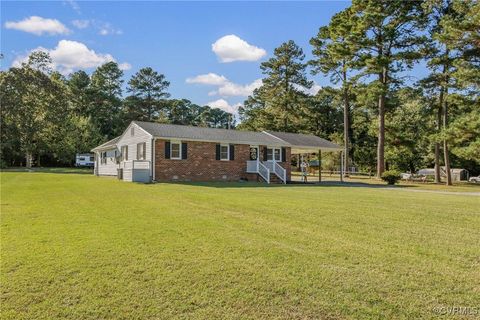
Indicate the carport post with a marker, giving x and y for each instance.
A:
(341, 166)
(319, 165)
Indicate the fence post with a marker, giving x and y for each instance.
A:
(319, 165)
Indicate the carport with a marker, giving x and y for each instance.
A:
(303, 145)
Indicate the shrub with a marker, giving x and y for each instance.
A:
(391, 176)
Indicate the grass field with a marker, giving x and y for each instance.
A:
(74, 246)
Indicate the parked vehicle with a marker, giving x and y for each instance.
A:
(474, 179)
(84, 160)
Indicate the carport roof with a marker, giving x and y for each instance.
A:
(303, 143)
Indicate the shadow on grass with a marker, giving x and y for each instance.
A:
(50, 170)
(249, 184)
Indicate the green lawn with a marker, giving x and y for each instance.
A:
(74, 246)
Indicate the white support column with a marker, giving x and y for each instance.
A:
(341, 166)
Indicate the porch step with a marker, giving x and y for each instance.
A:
(273, 178)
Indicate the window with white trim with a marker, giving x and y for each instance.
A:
(269, 154)
(141, 148)
(124, 153)
(274, 154)
(224, 152)
(277, 155)
(175, 150)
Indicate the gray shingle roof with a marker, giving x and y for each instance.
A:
(109, 143)
(161, 130)
(268, 138)
(305, 140)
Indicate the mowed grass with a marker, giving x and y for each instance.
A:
(75, 246)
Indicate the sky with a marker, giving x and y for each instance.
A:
(209, 51)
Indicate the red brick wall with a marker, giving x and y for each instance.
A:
(201, 164)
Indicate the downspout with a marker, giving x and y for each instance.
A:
(153, 160)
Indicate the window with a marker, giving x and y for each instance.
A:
(274, 154)
(141, 151)
(103, 158)
(81, 159)
(92, 159)
(175, 150)
(132, 131)
(124, 153)
(224, 155)
(269, 154)
(277, 154)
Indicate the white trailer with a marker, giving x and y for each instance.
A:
(84, 160)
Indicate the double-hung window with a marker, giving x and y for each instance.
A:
(175, 150)
(277, 155)
(269, 154)
(141, 148)
(274, 154)
(124, 153)
(224, 152)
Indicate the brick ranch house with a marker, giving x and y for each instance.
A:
(149, 151)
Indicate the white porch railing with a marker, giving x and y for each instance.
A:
(279, 171)
(255, 166)
(252, 166)
(264, 172)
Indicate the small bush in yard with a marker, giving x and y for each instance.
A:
(391, 176)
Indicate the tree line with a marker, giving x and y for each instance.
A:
(384, 115)
(46, 118)
(389, 117)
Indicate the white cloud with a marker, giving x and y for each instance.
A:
(38, 26)
(208, 79)
(81, 24)
(224, 105)
(74, 5)
(103, 28)
(106, 29)
(231, 48)
(233, 89)
(226, 88)
(125, 66)
(70, 55)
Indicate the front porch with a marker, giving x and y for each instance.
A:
(265, 169)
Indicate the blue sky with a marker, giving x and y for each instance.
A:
(174, 38)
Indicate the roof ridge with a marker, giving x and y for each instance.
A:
(191, 126)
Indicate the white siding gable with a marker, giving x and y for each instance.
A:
(139, 136)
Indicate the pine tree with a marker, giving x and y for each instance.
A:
(335, 55)
(388, 44)
(106, 102)
(149, 89)
(280, 98)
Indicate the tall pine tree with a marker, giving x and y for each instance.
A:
(388, 45)
(335, 55)
(149, 89)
